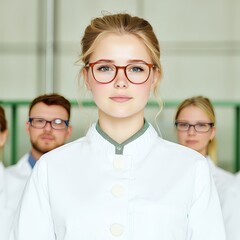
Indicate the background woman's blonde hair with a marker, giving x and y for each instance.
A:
(122, 23)
(206, 106)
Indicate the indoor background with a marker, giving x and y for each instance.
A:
(200, 55)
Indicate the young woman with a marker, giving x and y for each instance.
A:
(120, 181)
(195, 123)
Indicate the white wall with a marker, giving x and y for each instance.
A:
(200, 44)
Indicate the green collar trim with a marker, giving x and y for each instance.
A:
(119, 147)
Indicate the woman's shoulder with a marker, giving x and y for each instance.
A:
(180, 150)
(173, 148)
(225, 180)
(66, 148)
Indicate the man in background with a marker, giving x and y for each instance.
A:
(48, 128)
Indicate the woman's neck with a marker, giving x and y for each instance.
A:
(121, 129)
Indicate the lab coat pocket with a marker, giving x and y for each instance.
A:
(160, 221)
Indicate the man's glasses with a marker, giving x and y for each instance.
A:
(105, 72)
(199, 127)
(57, 123)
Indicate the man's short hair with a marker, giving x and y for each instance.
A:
(52, 99)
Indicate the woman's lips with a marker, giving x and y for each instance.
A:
(120, 98)
(191, 141)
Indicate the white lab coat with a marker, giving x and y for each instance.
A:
(237, 174)
(16, 177)
(229, 195)
(4, 213)
(1, 176)
(154, 190)
(3, 216)
(2, 183)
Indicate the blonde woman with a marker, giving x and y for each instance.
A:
(195, 122)
(120, 181)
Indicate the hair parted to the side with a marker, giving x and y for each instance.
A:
(3, 120)
(206, 106)
(122, 23)
(52, 99)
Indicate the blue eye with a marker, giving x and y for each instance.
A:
(137, 69)
(104, 68)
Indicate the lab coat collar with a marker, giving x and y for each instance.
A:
(139, 147)
(211, 163)
(119, 147)
(22, 168)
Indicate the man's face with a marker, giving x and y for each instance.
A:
(46, 139)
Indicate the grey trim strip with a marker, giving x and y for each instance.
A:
(119, 147)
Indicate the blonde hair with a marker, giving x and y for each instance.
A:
(206, 106)
(122, 23)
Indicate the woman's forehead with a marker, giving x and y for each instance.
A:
(194, 113)
(120, 48)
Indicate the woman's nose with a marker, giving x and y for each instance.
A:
(191, 130)
(121, 79)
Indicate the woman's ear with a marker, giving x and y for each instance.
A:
(85, 77)
(155, 79)
(213, 134)
(3, 138)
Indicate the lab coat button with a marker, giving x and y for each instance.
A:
(116, 229)
(117, 190)
(119, 163)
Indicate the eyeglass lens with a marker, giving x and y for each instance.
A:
(41, 123)
(106, 72)
(199, 127)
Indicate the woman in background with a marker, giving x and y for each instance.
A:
(3, 138)
(4, 214)
(121, 180)
(195, 122)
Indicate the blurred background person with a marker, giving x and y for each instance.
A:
(195, 122)
(3, 138)
(48, 128)
(3, 134)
